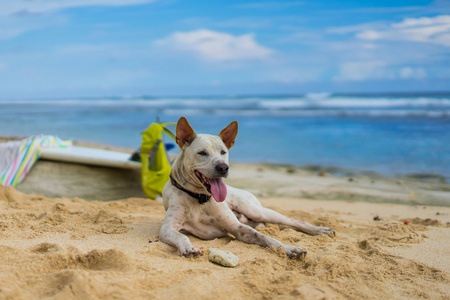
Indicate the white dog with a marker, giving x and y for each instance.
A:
(197, 201)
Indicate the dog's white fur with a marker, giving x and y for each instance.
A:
(237, 215)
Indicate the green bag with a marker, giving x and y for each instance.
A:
(155, 167)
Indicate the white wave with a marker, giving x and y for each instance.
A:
(351, 103)
(320, 102)
(283, 104)
(219, 103)
(180, 112)
(311, 113)
(345, 102)
(316, 96)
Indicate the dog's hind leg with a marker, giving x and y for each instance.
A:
(246, 204)
(244, 220)
(249, 235)
(266, 215)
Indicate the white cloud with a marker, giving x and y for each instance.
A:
(12, 26)
(354, 28)
(216, 46)
(424, 21)
(384, 51)
(377, 70)
(363, 70)
(434, 30)
(412, 73)
(369, 35)
(7, 33)
(20, 16)
(9, 7)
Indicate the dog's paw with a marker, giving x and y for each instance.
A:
(294, 252)
(323, 230)
(313, 230)
(191, 251)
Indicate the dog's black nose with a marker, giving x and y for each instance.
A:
(222, 168)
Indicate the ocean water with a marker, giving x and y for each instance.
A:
(392, 134)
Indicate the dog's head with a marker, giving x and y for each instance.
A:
(206, 156)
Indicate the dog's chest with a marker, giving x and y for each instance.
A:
(204, 223)
(204, 216)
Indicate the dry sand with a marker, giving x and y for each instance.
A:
(55, 245)
(70, 248)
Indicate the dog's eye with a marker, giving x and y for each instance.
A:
(202, 153)
(223, 152)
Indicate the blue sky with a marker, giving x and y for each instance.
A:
(95, 48)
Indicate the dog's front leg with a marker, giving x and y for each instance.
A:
(249, 235)
(170, 233)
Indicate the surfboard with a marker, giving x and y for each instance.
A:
(90, 156)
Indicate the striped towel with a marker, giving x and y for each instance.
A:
(17, 158)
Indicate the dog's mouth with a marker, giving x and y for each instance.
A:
(215, 186)
(204, 180)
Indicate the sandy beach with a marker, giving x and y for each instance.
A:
(335, 113)
(68, 248)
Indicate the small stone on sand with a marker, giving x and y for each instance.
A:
(224, 258)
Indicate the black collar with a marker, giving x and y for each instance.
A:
(202, 198)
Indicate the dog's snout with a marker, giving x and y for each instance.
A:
(222, 168)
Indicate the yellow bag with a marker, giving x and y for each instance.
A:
(155, 168)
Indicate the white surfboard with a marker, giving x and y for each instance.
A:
(90, 156)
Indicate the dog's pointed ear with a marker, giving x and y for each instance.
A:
(229, 133)
(184, 133)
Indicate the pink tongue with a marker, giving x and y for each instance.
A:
(218, 189)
